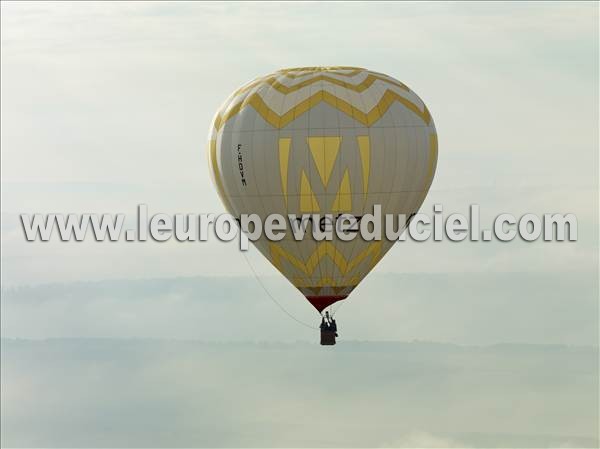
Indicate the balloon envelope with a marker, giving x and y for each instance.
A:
(323, 140)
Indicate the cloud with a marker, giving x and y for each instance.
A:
(418, 439)
(152, 393)
(466, 308)
(108, 106)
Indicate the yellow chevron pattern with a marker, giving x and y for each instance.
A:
(279, 121)
(325, 249)
(284, 89)
(239, 100)
(351, 281)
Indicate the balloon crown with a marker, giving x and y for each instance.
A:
(319, 69)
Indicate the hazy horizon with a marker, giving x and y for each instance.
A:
(157, 393)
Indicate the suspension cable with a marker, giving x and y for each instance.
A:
(257, 277)
(339, 306)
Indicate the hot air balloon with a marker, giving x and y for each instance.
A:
(319, 140)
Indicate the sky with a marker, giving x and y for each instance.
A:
(107, 105)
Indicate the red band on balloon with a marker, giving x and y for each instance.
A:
(321, 302)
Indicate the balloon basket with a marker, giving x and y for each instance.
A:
(327, 338)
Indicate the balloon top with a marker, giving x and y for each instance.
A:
(319, 69)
